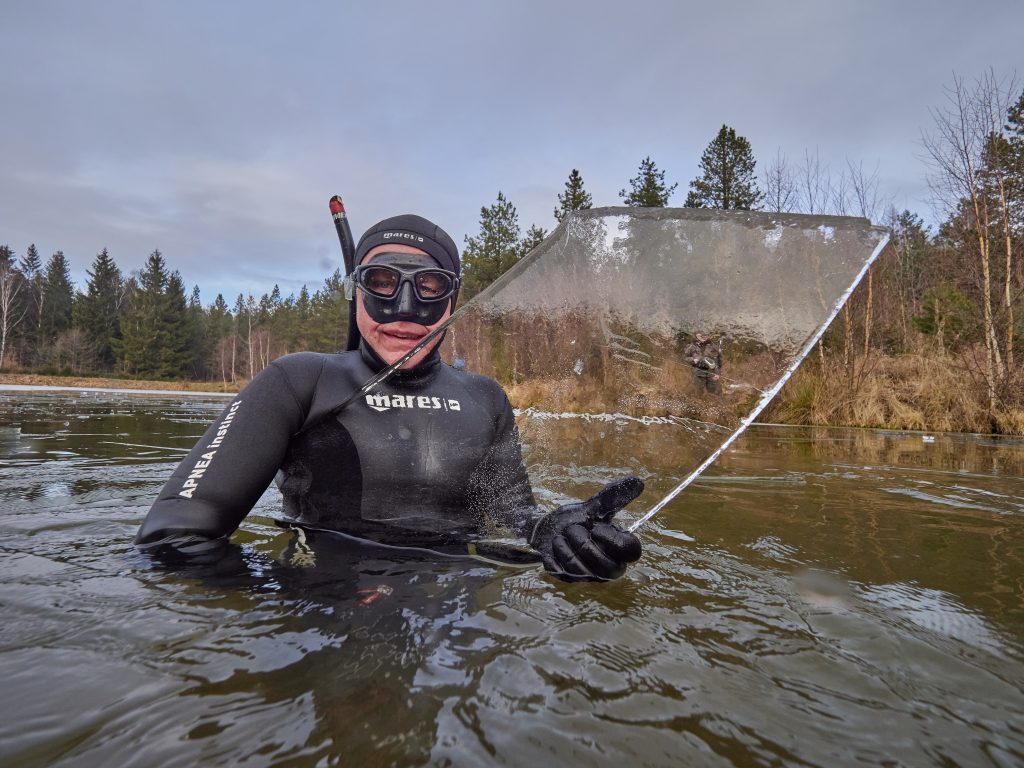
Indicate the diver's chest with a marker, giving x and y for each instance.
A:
(418, 433)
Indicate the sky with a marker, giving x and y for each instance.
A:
(217, 132)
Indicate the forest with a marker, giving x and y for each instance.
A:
(931, 340)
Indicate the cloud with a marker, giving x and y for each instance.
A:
(218, 136)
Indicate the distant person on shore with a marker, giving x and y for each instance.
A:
(706, 359)
(430, 458)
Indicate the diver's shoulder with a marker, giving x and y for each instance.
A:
(312, 360)
(305, 370)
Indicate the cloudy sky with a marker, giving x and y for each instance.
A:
(217, 132)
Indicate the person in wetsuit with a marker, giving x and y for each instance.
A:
(429, 458)
(706, 359)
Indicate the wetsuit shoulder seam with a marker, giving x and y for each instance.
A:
(303, 407)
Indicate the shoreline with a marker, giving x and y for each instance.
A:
(138, 385)
(806, 401)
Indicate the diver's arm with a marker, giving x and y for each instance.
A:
(230, 467)
(500, 493)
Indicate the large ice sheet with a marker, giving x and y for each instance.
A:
(597, 318)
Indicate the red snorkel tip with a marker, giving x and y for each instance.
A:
(337, 206)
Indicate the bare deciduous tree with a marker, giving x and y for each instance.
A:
(865, 196)
(965, 178)
(814, 184)
(73, 351)
(780, 188)
(11, 312)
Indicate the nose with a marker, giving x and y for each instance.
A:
(406, 305)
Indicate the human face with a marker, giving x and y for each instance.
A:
(391, 340)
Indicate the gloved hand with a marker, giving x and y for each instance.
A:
(578, 542)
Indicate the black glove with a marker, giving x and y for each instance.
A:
(578, 542)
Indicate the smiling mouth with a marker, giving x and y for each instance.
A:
(405, 335)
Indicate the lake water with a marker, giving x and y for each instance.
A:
(821, 597)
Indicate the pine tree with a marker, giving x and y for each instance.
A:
(302, 310)
(575, 197)
(269, 304)
(534, 236)
(728, 180)
(58, 299)
(1015, 162)
(493, 250)
(328, 321)
(647, 188)
(97, 310)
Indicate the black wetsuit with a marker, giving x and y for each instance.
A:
(707, 367)
(430, 456)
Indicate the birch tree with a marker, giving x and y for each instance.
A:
(12, 311)
(967, 179)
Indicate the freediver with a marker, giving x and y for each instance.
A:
(706, 359)
(430, 458)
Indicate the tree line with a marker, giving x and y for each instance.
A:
(954, 291)
(146, 325)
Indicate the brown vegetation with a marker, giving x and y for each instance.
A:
(916, 391)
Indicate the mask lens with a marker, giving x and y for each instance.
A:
(380, 281)
(433, 285)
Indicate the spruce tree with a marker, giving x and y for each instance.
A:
(57, 300)
(496, 248)
(31, 266)
(175, 353)
(143, 334)
(647, 188)
(97, 310)
(728, 180)
(30, 299)
(218, 319)
(200, 342)
(223, 343)
(575, 198)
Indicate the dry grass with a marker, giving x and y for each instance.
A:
(916, 391)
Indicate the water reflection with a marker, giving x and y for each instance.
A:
(824, 597)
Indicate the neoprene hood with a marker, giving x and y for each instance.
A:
(406, 229)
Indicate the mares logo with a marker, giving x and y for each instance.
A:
(403, 236)
(200, 467)
(387, 402)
